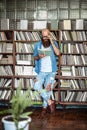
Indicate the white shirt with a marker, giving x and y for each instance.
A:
(46, 65)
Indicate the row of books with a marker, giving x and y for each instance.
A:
(23, 35)
(24, 59)
(73, 71)
(70, 24)
(54, 24)
(24, 70)
(66, 96)
(73, 35)
(76, 48)
(7, 24)
(6, 59)
(5, 95)
(74, 59)
(36, 35)
(23, 24)
(74, 96)
(30, 35)
(6, 47)
(6, 70)
(5, 83)
(73, 84)
(24, 83)
(24, 47)
(20, 69)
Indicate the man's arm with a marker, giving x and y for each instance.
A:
(56, 50)
(36, 57)
(39, 56)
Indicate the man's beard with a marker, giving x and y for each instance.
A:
(46, 42)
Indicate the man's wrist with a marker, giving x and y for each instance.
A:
(38, 57)
(52, 43)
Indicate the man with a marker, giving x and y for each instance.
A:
(46, 67)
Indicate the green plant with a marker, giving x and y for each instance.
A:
(19, 102)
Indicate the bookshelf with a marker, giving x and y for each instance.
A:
(6, 64)
(17, 61)
(17, 64)
(73, 76)
(24, 63)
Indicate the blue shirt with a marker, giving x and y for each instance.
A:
(38, 62)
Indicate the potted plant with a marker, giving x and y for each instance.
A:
(18, 119)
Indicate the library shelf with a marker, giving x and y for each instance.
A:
(71, 78)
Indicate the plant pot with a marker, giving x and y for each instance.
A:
(10, 125)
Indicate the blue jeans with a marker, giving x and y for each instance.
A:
(45, 78)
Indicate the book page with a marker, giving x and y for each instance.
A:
(45, 51)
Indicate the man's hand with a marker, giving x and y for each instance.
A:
(42, 55)
(50, 38)
(56, 50)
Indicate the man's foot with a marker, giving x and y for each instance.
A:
(52, 106)
(44, 112)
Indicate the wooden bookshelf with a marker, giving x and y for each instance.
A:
(24, 45)
(71, 78)
(6, 64)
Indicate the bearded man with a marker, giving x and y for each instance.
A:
(46, 68)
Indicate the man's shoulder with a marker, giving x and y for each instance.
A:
(38, 43)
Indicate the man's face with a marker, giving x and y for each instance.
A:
(45, 41)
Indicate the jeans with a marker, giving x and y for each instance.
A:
(44, 79)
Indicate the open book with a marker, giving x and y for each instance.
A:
(44, 51)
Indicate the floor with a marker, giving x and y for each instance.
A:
(63, 119)
(70, 119)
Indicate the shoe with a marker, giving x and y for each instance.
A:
(44, 112)
(52, 107)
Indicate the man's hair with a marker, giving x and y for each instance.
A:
(46, 30)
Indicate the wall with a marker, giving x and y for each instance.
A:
(48, 10)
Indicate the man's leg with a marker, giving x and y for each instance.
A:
(49, 82)
(38, 86)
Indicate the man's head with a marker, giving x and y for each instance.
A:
(45, 37)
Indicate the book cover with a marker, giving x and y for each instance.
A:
(79, 24)
(44, 51)
(40, 24)
(67, 24)
(24, 24)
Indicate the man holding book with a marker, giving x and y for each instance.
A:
(45, 52)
